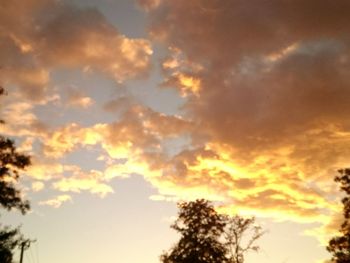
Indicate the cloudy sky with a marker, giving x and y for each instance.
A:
(128, 106)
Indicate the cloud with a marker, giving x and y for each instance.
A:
(120, 104)
(266, 89)
(57, 201)
(67, 138)
(256, 189)
(37, 186)
(148, 5)
(252, 27)
(92, 181)
(139, 129)
(128, 146)
(264, 125)
(77, 98)
(45, 169)
(42, 35)
(20, 119)
(90, 41)
(270, 183)
(67, 178)
(329, 229)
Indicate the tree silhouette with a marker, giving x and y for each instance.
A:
(9, 240)
(200, 227)
(11, 162)
(339, 246)
(240, 236)
(210, 237)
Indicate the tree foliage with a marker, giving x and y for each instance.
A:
(240, 236)
(9, 240)
(209, 237)
(11, 162)
(339, 246)
(200, 228)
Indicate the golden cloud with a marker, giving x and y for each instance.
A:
(120, 141)
(269, 119)
(45, 170)
(91, 181)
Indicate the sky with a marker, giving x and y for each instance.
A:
(127, 107)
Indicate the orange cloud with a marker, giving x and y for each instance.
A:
(20, 119)
(68, 138)
(120, 141)
(45, 169)
(76, 98)
(269, 119)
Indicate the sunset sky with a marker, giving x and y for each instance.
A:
(127, 107)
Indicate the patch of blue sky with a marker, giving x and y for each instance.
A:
(320, 46)
(87, 158)
(98, 87)
(176, 145)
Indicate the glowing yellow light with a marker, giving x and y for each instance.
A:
(282, 53)
(189, 84)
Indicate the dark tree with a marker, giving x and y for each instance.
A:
(11, 162)
(240, 236)
(9, 240)
(210, 237)
(200, 227)
(339, 246)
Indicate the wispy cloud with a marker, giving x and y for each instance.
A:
(57, 201)
(92, 181)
